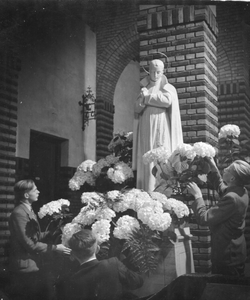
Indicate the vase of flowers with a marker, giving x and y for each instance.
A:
(144, 230)
(133, 219)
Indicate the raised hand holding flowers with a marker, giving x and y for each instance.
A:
(186, 163)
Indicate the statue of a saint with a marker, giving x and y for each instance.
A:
(157, 122)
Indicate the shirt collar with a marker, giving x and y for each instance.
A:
(88, 260)
(28, 205)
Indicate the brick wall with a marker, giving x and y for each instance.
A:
(233, 68)
(117, 45)
(9, 68)
(187, 34)
(233, 74)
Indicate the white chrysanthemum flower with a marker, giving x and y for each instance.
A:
(52, 207)
(229, 130)
(105, 213)
(120, 173)
(160, 222)
(86, 216)
(92, 198)
(204, 149)
(101, 229)
(161, 198)
(186, 150)
(78, 180)
(153, 219)
(178, 207)
(138, 198)
(159, 154)
(122, 205)
(125, 226)
(114, 195)
(104, 162)
(74, 185)
(67, 232)
(86, 165)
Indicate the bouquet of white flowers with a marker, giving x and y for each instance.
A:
(128, 221)
(114, 169)
(230, 147)
(57, 214)
(187, 163)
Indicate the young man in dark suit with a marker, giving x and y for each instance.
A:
(226, 219)
(27, 247)
(107, 279)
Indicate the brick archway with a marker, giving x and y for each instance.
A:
(123, 48)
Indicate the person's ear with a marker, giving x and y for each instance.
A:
(26, 195)
(232, 178)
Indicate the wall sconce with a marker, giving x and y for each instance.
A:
(88, 104)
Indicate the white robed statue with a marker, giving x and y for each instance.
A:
(157, 122)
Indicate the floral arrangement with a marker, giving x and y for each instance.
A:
(53, 208)
(109, 171)
(57, 214)
(129, 223)
(186, 163)
(230, 147)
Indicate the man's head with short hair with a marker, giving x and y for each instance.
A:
(22, 187)
(238, 173)
(241, 169)
(83, 244)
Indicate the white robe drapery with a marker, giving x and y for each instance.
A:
(158, 124)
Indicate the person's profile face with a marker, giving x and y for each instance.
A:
(228, 175)
(33, 194)
(155, 73)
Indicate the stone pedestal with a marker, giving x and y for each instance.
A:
(179, 261)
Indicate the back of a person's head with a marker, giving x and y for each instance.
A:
(242, 171)
(22, 187)
(83, 243)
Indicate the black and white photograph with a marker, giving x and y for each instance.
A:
(124, 150)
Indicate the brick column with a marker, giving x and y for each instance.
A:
(10, 66)
(234, 74)
(187, 34)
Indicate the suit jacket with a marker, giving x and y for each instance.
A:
(26, 240)
(226, 220)
(99, 280)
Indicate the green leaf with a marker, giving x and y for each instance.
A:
(235, 141)
(143, 250)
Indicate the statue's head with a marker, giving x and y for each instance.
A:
(156, 68)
